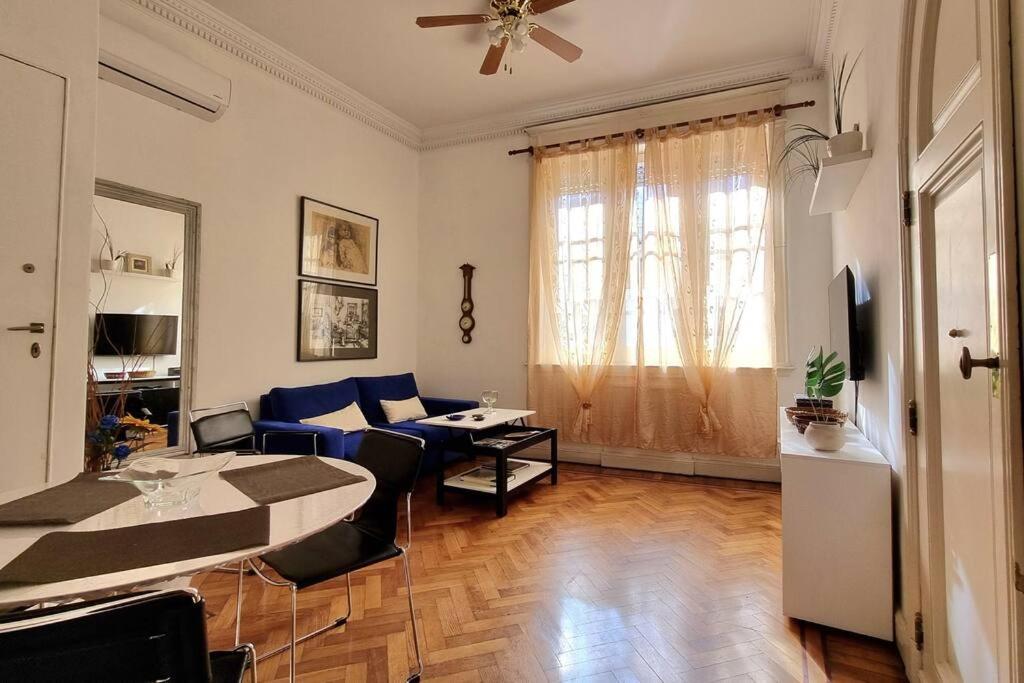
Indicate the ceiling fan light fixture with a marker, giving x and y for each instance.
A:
(496, 35)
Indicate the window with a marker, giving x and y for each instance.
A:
(736, 271)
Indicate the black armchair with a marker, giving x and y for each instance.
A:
(153, 636)
(229, 427)
(394, 460)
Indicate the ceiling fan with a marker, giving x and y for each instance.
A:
(511, 25)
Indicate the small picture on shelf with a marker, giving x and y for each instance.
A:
(138, 263)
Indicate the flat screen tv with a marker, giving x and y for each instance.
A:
(844, 335)
(128, 334)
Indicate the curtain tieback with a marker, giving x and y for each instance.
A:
(583, 419)
(709, 423)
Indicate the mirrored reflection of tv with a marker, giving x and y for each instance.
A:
(128, 334)
(844, 334)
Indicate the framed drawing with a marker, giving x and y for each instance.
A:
(337, 244)
(336, 322)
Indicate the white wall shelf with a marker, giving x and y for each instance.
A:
(837, 180)
(146, 276)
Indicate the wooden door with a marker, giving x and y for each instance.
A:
(31, 160)
(964, 280)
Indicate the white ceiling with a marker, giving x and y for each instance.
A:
(429, 76)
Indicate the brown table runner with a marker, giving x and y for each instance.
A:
(286, 479)
(67, 555)
(67, 503)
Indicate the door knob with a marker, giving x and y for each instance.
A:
(967, 364)
(34, 328)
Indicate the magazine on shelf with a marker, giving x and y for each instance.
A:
(492, 442)
(482, 475)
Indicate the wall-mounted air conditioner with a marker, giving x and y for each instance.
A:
(133, 61)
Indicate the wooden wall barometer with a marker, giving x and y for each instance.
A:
(466, 322)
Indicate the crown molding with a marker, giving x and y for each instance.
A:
(203, 21)
(822, 27)
(222, 31)
(515, 123)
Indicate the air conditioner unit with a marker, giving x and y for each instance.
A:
(133, 61)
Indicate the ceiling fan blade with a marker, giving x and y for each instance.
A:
(541, 6)
(560, 46)
(492, 60)
(451, 20)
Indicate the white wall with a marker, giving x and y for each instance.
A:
(866, 235)
(474, 207)
(248, 170)
(60, 36)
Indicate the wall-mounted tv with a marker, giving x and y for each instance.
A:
(128, 334)
(844, 334)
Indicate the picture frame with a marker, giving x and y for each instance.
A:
(138, 263)
(335, 322)
(337, 244)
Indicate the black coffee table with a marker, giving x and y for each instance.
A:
(503, 487)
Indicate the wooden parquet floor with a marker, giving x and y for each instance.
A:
(601, 578)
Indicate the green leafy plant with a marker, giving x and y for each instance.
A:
(825, 375)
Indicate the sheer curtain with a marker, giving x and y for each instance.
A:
(579, 258)
(677, 353)
(707, 199)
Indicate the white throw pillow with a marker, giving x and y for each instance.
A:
(348, 419)
(400, 411)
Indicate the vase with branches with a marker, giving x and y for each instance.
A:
(802, 153)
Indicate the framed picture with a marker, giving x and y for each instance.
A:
(337, 244)
(137, 263)
(336, 322)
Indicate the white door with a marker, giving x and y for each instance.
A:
(31, 154)
(965, 324)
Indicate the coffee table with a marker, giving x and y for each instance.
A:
(494, 425)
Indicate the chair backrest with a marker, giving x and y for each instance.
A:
(156, 636)
(394, 459)
(212, 429)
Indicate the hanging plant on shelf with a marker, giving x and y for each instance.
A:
(802, 154)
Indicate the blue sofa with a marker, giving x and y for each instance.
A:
(282, 408)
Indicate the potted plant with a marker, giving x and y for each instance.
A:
(824, 379)
(802, 153)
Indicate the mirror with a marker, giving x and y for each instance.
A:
(142, 284)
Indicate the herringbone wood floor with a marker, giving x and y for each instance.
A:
(606, 577)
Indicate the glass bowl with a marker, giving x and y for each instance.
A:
(166, 482)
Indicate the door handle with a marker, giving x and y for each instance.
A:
(34, 328)
(967, 364)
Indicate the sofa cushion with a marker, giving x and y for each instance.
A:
(295, 403)
(389, 387)
(348, 419)
(403, 410)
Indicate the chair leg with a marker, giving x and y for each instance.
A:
(414, 677)
(238, 609)
(250, 653)
(291, 651)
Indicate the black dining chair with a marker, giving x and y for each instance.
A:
(229, 427)
(152, 636)
(394, 460)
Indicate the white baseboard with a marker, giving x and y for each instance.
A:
(723, 466)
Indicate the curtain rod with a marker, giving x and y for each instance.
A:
(776, 110)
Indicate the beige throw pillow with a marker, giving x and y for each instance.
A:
(400, 411)
(348, 419)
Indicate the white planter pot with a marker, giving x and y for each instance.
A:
(845, 143)
(825, 436)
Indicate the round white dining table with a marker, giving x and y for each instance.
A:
(290, 521)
